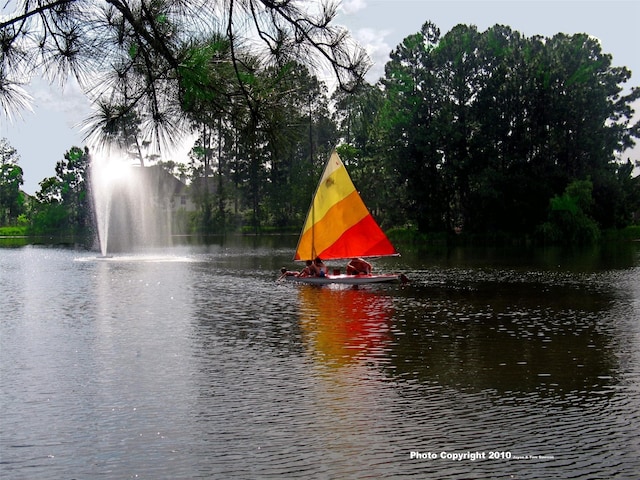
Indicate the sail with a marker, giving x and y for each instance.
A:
(338, 224)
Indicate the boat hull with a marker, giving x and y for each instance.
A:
(346, 279)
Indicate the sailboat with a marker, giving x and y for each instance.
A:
(340, 227)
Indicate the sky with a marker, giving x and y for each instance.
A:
(42, 137)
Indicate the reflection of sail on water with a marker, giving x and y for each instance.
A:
(340, 326)
(345, 331)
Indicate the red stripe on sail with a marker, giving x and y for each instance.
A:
(364, 239)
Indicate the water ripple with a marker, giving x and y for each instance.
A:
(207, 368)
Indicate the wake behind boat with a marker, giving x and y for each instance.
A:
(340, 227)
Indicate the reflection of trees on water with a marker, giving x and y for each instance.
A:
(509, 337)
(344, 325)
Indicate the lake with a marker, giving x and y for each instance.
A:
(192, 362)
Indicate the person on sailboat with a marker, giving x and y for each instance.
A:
(359, 266)
(308, 270)
(319, 268)
(305, 272)
(287, 273)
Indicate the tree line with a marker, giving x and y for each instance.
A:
(62, 206)
(494, 132)
(474, 133)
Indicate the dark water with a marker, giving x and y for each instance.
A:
(193, 363)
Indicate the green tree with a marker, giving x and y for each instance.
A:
(410, 126)
(217, 113)
(299, 134)
(11, 197)
(569, 220)
(357, 115)
(483, 129)
(64, 201)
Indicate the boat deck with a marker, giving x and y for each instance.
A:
(345, 279)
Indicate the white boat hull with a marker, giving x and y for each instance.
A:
(346, 279)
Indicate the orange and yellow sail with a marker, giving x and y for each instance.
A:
(338, 224)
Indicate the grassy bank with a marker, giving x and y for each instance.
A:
(20, 231)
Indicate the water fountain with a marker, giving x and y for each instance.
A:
(132, 204)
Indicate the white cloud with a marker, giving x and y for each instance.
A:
(374, 42)
(69, 99)
(353, 6)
